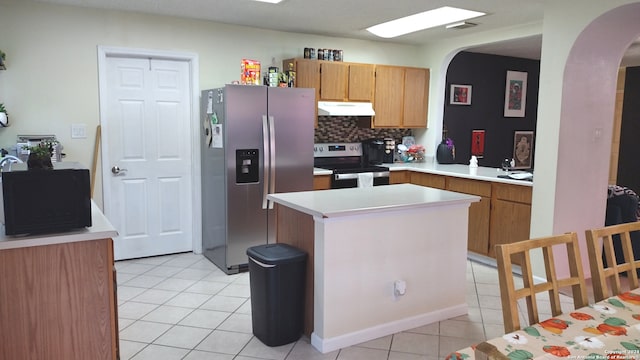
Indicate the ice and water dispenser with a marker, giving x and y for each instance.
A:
(247, 170)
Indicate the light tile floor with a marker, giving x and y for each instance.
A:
(183, 307)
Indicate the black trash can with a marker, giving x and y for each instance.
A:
(277, 278)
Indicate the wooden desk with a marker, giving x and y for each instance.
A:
(609, 327)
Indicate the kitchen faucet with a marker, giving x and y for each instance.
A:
(8, 160)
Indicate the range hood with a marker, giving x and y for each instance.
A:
(337, 108)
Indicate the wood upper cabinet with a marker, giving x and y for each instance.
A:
(341, 81)
(307, 73)
(334, 80)
(389, 94)
(361, 82)
(416, 97)
(401, 97)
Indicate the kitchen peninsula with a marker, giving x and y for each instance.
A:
(57, 294)
(503, 214)
(370, 272)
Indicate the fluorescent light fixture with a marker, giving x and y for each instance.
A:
(270, 1)
(423, 20)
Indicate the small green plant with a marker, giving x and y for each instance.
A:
(42, 150)
(2, 108)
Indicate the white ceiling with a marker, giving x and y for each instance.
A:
(349, 18)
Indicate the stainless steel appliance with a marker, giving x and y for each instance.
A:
(345, 160)
(256, 140)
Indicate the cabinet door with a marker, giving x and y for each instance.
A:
(389, 96)
(308, 75)
(510, 222)
(416, 97)
(361, 82)
(479, 214)
(333, 81)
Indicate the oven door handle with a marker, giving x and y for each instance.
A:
(352, 176)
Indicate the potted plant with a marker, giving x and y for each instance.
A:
(4, 116)
(40, 156)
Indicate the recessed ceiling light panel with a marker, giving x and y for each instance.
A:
(270, 1)
(423, 20)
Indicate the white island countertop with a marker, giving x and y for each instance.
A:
(101, 229)
(346, 202)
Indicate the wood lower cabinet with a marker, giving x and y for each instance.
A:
(502, 216)
(429, 180)
(479, 212)
(322, 182)
(510, 215)
(297, 229)
(399, 177)
(58, 302)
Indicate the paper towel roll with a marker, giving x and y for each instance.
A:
(365, 179)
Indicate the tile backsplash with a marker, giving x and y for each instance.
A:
(345, 129)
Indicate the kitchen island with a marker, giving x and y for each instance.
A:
(57, 294)
(370, 273)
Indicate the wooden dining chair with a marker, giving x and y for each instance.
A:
(521, 251)
(606, 278)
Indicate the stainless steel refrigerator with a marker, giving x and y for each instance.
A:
(256, 140)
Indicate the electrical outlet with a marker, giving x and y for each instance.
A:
(78, 131)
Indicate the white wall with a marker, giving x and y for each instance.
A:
(571, 160)
(52, 80)
(575, 115)
(438, 55)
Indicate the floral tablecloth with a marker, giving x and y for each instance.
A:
(609, 329)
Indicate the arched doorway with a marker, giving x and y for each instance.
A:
(586, 115)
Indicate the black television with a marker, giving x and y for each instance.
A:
(46, 201)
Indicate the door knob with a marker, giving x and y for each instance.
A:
(116, 170)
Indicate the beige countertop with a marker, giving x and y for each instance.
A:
(101, 229)
(457, 170)
(356, 201)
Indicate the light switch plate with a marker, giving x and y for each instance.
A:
(78, 131)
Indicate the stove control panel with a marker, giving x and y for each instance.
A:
(337, 149)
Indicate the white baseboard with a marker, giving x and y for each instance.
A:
(360, 336)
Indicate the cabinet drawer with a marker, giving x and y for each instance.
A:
(428, 180)
(517, 193)
(466, 186)
(399, 177)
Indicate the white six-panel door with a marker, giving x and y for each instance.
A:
(147, 131)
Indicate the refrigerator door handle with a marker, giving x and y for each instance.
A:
(267, 159)
(272, 161)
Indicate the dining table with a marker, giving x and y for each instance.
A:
(608, 329)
